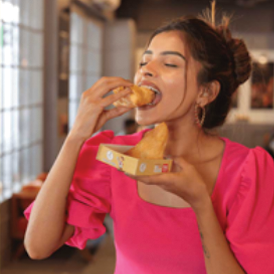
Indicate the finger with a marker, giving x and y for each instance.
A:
(114, 97)
(106, 84)
(106, 79)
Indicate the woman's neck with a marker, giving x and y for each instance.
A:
(189, 142)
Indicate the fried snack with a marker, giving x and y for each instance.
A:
(139, 96)
(153, 144)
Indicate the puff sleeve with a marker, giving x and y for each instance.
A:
(89, 197)
(250, 220)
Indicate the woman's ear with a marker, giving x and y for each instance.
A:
(208, 93)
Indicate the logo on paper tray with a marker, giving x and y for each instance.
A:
(165, 168)
(161, 168)
(109, 155)
(120, 160)
(142, 167)
(157, 168)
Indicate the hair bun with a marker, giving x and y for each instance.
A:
(242, 60)
(239, 54)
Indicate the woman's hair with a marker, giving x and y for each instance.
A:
(222, 57)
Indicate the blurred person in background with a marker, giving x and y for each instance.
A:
(225, 222)
(130, 127)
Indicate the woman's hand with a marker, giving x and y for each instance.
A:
(91, 114)
(183, 180)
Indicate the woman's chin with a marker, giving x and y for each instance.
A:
(145, 120)
(141, 122)
(155, 115)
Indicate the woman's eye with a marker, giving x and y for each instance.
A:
(142, 64)
(168, 65)
(171, 65)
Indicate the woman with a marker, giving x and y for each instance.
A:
(226, 222)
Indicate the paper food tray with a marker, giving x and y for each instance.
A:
(113, 155)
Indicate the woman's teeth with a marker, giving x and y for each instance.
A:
(153, 89)
(157, 92)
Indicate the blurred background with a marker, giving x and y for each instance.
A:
(53, 50)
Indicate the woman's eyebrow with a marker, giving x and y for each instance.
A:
(167, 53)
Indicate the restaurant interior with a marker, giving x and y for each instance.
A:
(51, 51)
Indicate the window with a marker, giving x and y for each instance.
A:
(21, 93)
(85, 59)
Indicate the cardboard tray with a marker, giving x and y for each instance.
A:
(113, 155)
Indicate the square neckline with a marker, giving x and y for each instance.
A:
(213, 194)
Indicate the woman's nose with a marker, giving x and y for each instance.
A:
(147, 73)
(149, 70)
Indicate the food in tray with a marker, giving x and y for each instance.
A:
(153, 144)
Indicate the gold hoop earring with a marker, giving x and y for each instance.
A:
(197, 120)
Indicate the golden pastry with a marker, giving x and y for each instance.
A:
(152, 146)
(139, 96)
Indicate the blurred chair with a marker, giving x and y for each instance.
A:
(20, 201)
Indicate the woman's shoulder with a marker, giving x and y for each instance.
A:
(243, 168)
(235, 148)
(246, 168)
(240, 153)
(234, 157)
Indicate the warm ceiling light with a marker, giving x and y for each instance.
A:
(263, 60)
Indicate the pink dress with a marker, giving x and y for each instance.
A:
(162, 240)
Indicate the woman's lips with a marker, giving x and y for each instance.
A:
(149, 84)
(158, 94)
(157, 99)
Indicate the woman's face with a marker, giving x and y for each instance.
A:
(168, 67)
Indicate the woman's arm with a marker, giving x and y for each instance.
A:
(47, 220)
(46, 230)
(218, 256)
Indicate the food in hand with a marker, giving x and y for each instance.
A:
(152, 146)
(139, 96)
